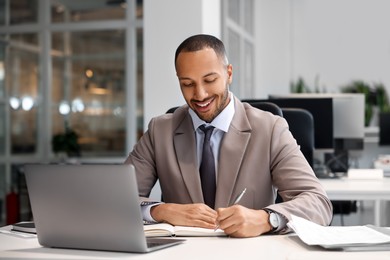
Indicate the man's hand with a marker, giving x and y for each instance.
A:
(194, 215)
(238, 221)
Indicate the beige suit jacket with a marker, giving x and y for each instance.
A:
(258, 153)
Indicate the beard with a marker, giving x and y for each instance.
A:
(220, 107)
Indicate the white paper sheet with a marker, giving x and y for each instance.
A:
(314, 234)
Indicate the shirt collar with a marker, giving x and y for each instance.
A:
(222, 121)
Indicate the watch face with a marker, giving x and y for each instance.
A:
(273, 220)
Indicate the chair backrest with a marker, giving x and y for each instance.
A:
(266, 106)
(301, 125)
(171, 110)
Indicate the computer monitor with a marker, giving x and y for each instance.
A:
(384, 129)
(348, 123)
(348, 119)
(322, 112)
(348, 115)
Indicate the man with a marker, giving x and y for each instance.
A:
(253, 150)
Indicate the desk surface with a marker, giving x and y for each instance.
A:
(264, 247)
(352, 189)
(377, 190)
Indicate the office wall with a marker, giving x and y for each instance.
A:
(338, 42)
(272, 20)
(341, 41)
(329, 40)
(332, 41)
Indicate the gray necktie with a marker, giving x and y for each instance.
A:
(207, 168)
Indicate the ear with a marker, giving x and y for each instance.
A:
(230, 73)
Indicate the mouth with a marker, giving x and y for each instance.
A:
(203, 106)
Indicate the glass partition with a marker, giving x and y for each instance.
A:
(88, 91)
(22, 83)
(86, 10)
(18, 12)
(3, 191)
(2, 97)
(63, 65)
(3, 45)
(2, 129)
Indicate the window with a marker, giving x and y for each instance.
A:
(18, 12)
(77, 11)
(22, 86)
(88, 89)
(68, 65)
(238, 35)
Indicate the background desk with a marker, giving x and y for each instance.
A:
(273, 247)
(350, 189)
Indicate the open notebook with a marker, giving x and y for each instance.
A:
(165, 229)
(89, 207)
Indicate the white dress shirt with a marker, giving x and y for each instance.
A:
(221, 124)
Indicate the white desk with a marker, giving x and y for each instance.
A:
(349, 189)
(273, 247)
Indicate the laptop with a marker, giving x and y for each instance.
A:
(93, 207)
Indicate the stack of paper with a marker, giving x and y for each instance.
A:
(347, 238)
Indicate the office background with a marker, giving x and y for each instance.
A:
(105, 68)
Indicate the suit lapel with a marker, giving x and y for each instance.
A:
(185, 146)
(232, 150)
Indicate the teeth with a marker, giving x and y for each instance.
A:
(204, 105)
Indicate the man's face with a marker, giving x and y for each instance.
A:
(204, 81)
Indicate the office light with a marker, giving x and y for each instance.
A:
(78, 105)
(14, 102)
(117, 111)
(89, 73)
(64, 108)
(27, 103)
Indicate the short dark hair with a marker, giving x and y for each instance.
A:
(201, 41)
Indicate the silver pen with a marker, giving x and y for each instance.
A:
(236, 201)
(239, 197)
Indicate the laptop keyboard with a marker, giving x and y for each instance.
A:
(154, 244)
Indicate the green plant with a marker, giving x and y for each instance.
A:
(375, 95)
(66, 142)
(301, 87)
(382, 99)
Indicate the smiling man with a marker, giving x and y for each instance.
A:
(204, 77)
(215, 147)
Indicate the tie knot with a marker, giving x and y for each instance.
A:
(208, 130)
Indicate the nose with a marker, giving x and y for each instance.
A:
(200, 92)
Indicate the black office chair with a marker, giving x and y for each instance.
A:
(171, 110)
(301, 124)
(266, 106)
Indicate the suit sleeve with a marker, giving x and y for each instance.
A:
(143, 159)
(302, 193)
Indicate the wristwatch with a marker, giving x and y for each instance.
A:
(273, 219)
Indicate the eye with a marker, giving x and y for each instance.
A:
(210, 80)
(186, 84)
